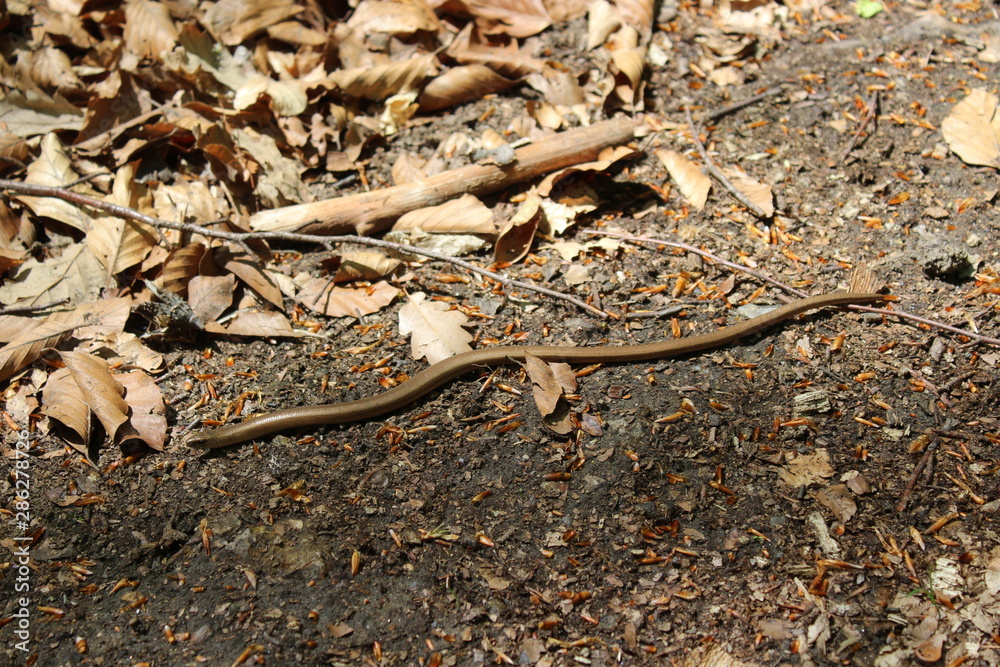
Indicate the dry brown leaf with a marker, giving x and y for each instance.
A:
(130, 351)
(287, 98)
(294, 32)
(638, 14)
(75, 274)
(10, 259)
(29, 117)
(470, 48)
(256, 323)
(147, 419)
(117, 243)
(101, 392)
(603, 19)
(51, 67)
(408, 168)
(558, 87)
(149, 30)
(462, 84)
(435, 331)
(546, 387)
(322, 296)
(364, 265)
(465, 215)
(210, 296)
(693, 184)
(395, 18)
(516, 18)
(62, 400)
(250, 271)
(53, 168)
(180, 267)
(517, 233)
(382, 81)
(972, 129)
(838, 499)
(233, 21)
(12, 326)
(757, 192)
(606, 159)
(806, 469)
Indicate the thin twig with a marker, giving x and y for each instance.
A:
(717, 173)
(902, 314)
(13, 310)
(242, 238)
(869, 116)
(908, 491)
(736, 106)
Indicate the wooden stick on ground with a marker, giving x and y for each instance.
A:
(370, 212)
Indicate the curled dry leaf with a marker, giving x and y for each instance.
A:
(435, 331)
(470, 48)
(30, 117)
(180, 267)
(465, 215)
(516, 235)
(382, 81)
(322, 296)
(75, 274)
(62, 400)
(147, 412)
(759, 193)
(210, 296)
(462, 84)
(972, 129)
(693, 184)
(233, 21)
(838, 499)
(638, 14)
(516, 18)
(99, 318)
(602, 20)
(394, 18)
(149, 30)
(53, 168)
(364, 265)
(101, 392)
(287, 98)
(250, 271)
(546, 388)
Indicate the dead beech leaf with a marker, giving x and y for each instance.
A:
(607, 157)
(757, 192)
(470, 47)
(322, 296)
(130, 350)
(75, 274)
(395, 18)
(250, 271)
(181, 266)
(516, 18)
(806, 469)
(838, 499)
(364, 265)
(233, 21)
(258, 323)
(52, 67)
(287, 98)
(149, 30)
(693, 184)
(545, 387)
(972, 129)
(929, 651)
(637, 13)
(210, 296)
(31, 116)
(435, 331)
(516, 235)
(89, 320)
(147, 419)
(12, 326)
(382, 81)
(603, 19)
(100, 389)
(465, 215)
(462, 84)
(62, 400)
(53, 168)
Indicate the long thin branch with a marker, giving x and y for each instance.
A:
(717, 173)
(902, 314)
(242, 238)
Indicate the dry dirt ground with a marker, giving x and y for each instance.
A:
(461, 531)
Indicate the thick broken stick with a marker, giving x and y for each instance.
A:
(370, 212)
